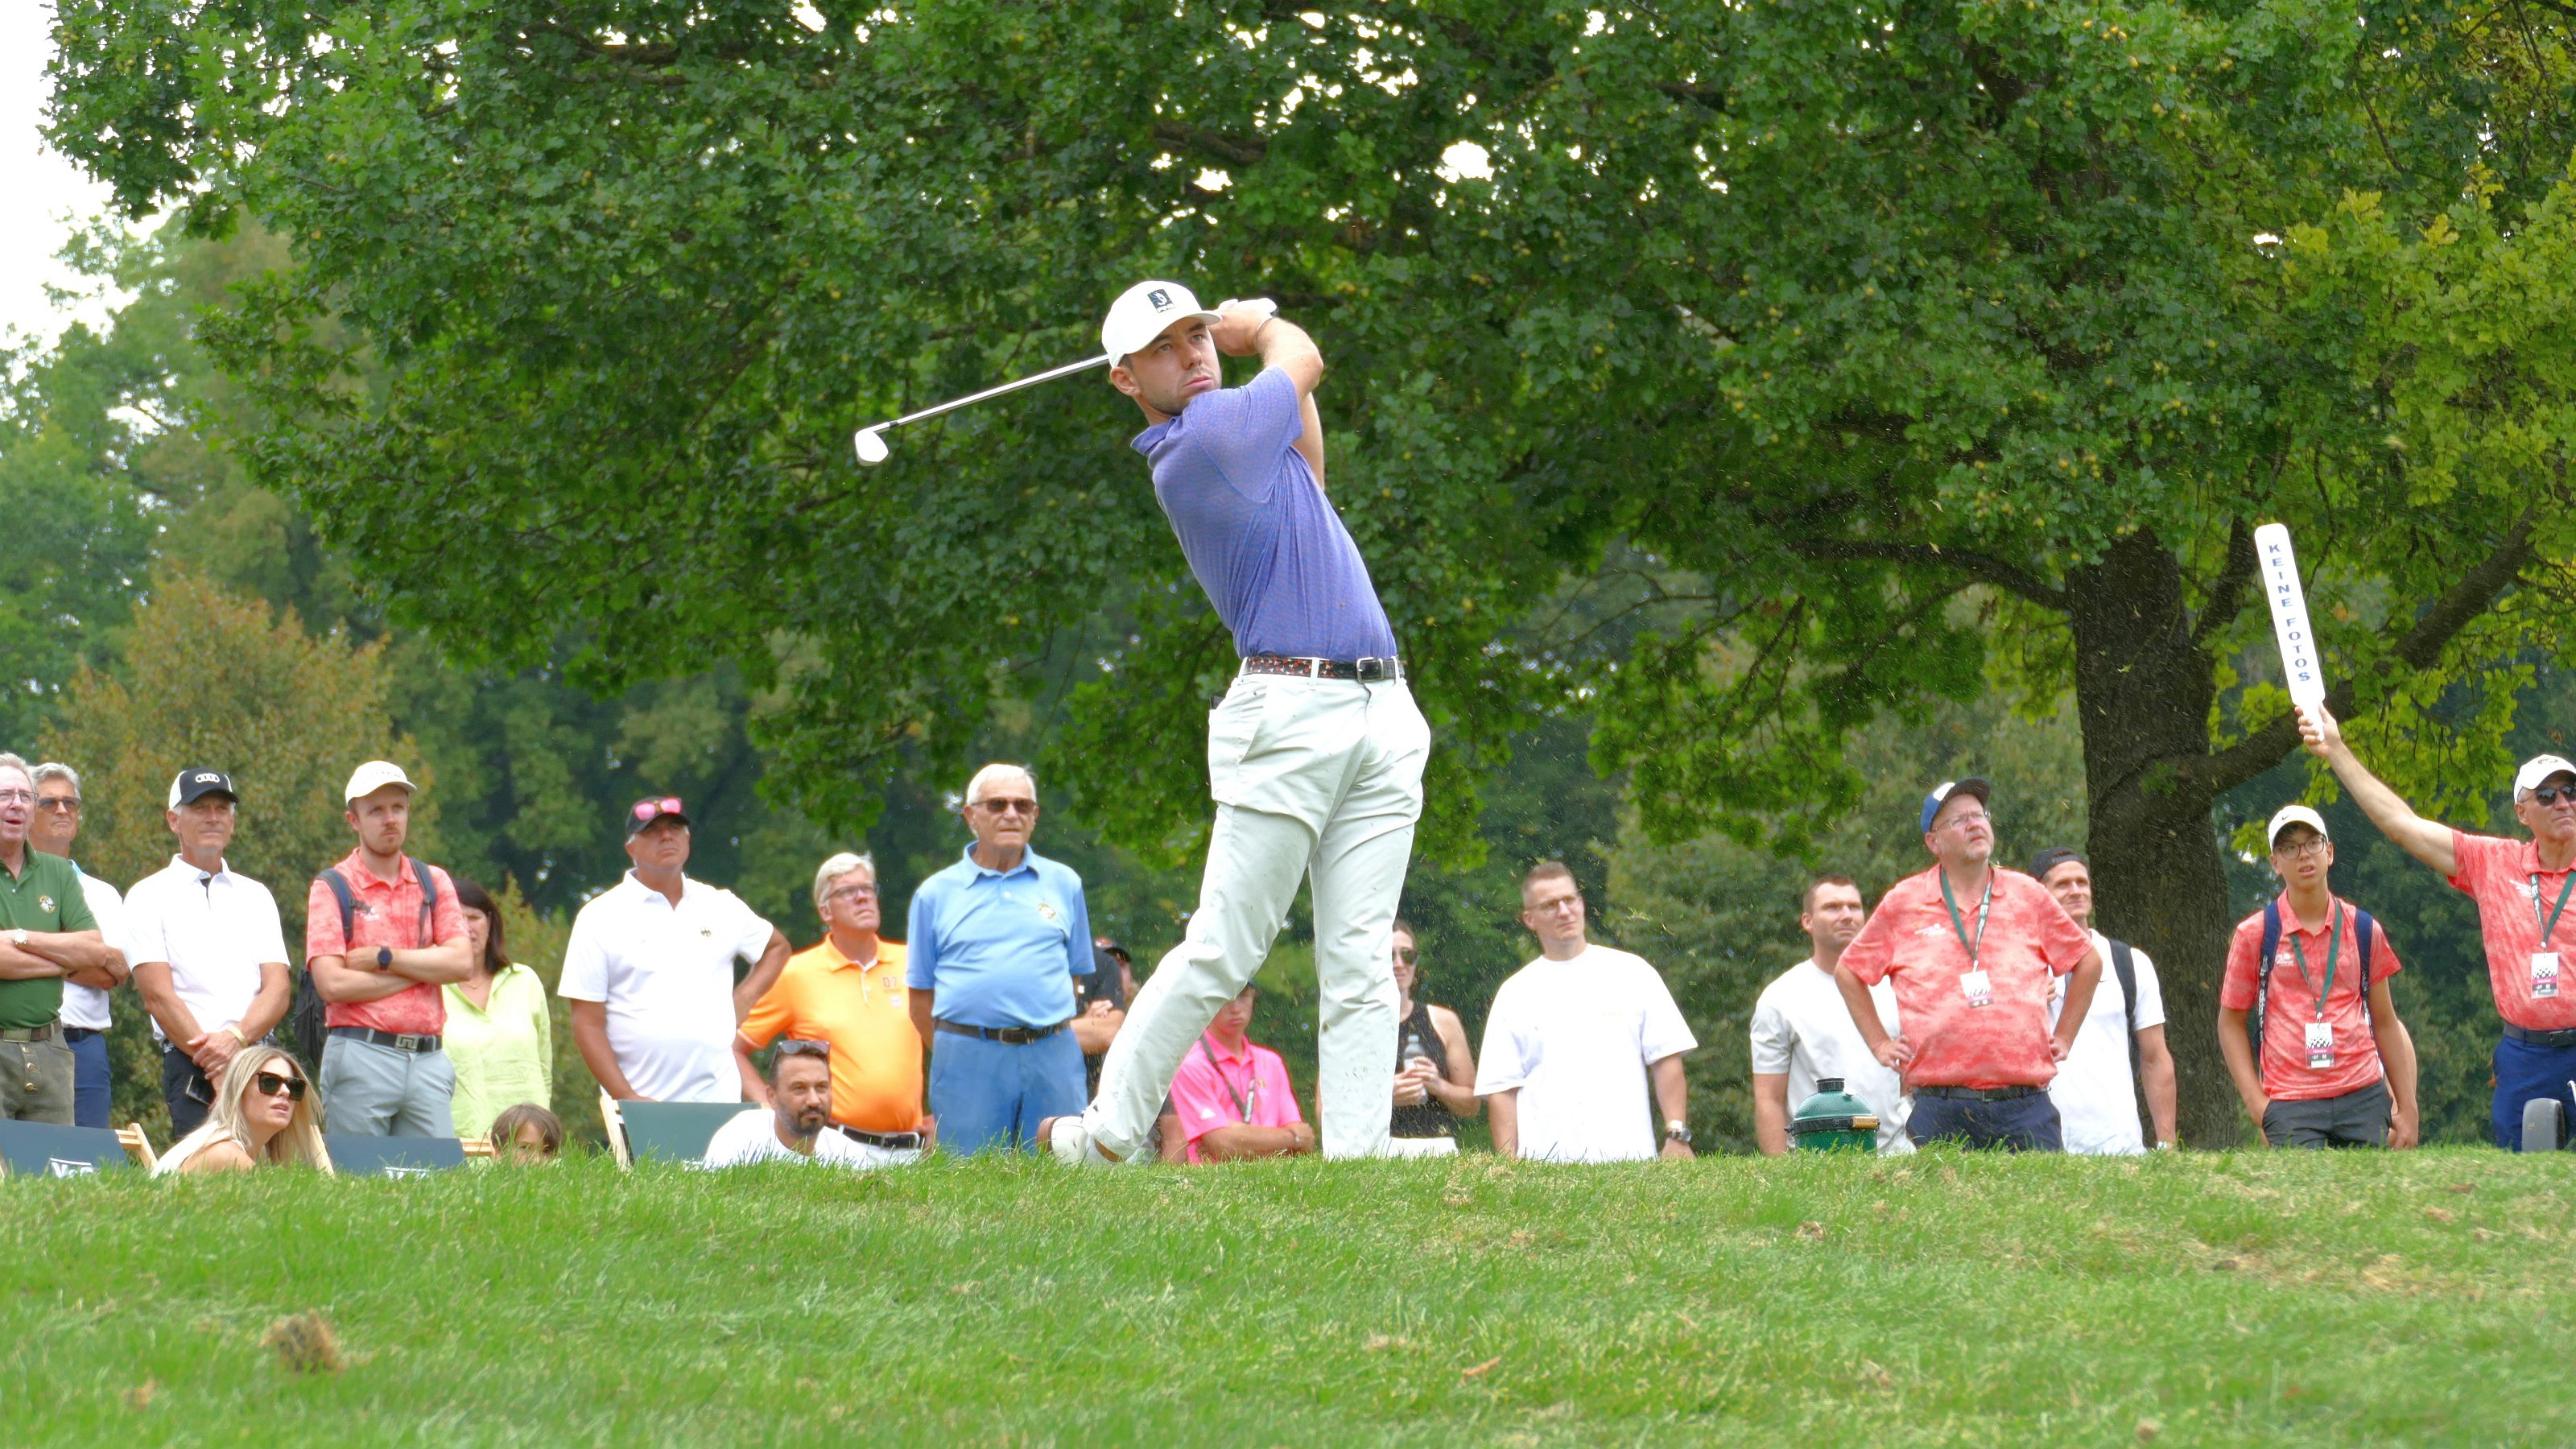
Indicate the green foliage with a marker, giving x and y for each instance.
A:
(2298, 1298)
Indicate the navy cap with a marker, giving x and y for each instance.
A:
(1973, 786)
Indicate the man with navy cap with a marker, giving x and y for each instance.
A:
(2521, 887)
(1315, 756)
(1974, 950)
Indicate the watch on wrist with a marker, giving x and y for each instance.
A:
(1677, 1132)
(18, 938)
(384, 958)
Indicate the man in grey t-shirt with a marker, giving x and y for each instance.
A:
(1315, 757)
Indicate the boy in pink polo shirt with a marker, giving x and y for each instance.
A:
(1233, 1098)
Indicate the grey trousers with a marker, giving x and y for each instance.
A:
(2355, 1119)
(36, 1081)
(381, 1091)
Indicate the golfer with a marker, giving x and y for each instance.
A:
(1315, 755)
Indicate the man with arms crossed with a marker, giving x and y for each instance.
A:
(209, 953)
(1802, 1031)
(1315, 758)
(46, 934)
(1573, 1040)
(2120, 1050)
(1973, 949)
(85, 993)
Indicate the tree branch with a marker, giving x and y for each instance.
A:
(2418, 648)
(1241, 150)
(2227, 592)
(1984, 567)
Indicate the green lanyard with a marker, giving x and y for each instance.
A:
(2550, 926)
(2334, 939)
(1960, 926)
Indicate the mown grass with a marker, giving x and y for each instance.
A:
(1942, 1299)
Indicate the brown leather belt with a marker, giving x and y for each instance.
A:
(1013, 1035)
(1370, 669)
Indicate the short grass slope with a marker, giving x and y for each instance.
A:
(2221, 1299)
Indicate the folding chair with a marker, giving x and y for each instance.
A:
(45, 1149)
(138, 1146)
(353, 1156)
(672, 1131)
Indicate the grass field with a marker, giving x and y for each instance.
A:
(2235, 1298)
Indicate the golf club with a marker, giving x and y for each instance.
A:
(870, 442)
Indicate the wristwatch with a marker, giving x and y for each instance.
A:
(384, 958)
(1677, 1132)
(18, 938)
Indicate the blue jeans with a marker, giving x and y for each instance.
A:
(2023, 1124)
(90, 1091)
(989, 1094)
(2527, 1073)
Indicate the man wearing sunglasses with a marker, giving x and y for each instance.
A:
(85, 993)
(648, 976)
(2520, 887)
(997, 939)
(46, 934)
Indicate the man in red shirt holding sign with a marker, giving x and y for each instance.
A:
(1973, 949)
(2520, 887)
(2333, 1066)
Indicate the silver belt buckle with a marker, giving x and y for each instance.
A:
(407, 1043)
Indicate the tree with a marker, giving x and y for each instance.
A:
(1850, 315)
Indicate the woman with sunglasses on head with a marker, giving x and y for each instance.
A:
(264, 1114)
(1435, 1076)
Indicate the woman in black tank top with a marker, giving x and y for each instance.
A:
(1426, 1109)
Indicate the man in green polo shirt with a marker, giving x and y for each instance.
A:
(46, 932)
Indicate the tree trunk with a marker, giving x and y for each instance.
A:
(2143, 690)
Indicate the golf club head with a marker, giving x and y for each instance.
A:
(871, 445)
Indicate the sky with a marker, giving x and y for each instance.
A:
(45, 191)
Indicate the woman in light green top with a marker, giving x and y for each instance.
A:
(499, 1035)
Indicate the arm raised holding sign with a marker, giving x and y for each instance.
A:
(2429, 841)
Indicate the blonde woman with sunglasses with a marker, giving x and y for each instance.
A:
(263, 1114)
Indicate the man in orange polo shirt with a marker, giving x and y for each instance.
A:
(849, 991)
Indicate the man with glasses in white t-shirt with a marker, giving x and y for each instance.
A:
(1803, 1032)
(1574, 1039)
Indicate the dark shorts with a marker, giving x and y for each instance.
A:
(2023, 1124)
(2355, 1119)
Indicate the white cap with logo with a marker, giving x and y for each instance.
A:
(1142, 312)
(2289, 815)
(2536, 771)
(372, 776)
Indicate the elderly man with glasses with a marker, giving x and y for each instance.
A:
(85, 993)
(46, 934)
(848, 990)
(649, 971)
(997, 939)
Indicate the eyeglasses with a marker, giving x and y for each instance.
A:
(60, 804)
(853, 893)
(794, 1048)
(269, 1084)
(2301, 851)
(1009, 807)
(16, 797)
(1404, 954)
(667, 805)
(2552, 794)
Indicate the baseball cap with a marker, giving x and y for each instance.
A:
(2536, 771)
(651, 808)
(1142, 312)
(194, 784)
(1110, 945)
(1973, 787)
(372, 776)
(2053, 857)
(2289, 815)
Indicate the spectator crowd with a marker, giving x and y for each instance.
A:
(1972, 1003)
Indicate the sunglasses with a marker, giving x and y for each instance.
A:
(61, 804)
(1009, 807)
(2552, 794)
(667, 805)
(794, 1048)
(1404, 954)
(269, 1084)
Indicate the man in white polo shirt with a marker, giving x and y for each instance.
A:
(648, 974)
(1573, 1039)
(209, 954)
(2120, 1060)
(1803, 1032)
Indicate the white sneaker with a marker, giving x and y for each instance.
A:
(1069, 1142)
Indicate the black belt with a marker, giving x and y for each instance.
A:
(892, 1141)
(1014, 1035)
(79, 1033)
(1369, 669)
(1979, 1094)
(2550, 1039)
(399, 1041)
(31, 1033)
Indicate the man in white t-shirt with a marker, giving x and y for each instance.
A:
(648, 973)
(1803, 1031)
(796, 1126)
(1573, 1039)
(2098, 1085)
(85, 993)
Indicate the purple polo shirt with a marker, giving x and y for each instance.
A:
(1265, 544)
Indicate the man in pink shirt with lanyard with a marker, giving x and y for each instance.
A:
(2521, 887)
(1973, 949)
(1233, 1098)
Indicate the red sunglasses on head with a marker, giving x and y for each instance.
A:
(667, 805)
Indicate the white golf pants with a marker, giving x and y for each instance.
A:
(1320, 777)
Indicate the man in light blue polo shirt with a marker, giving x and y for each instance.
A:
(1315, 757)
(997, 939)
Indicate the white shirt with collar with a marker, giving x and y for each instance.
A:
(215, 931)
(665, 973)
(2095, 1092)
(86, 1006)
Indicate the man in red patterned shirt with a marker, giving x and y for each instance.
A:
(2520, 887)
(1973, 949)
(383, 1073)
(2334, 1067)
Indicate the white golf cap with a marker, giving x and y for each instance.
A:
(1142, 312)
(2536, 771)
(375, 775)
(2289, 815)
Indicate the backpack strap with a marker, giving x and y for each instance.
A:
(340, 892)
(2124, 965)
(2368, 930)
(428, 896)
(2263, 979)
